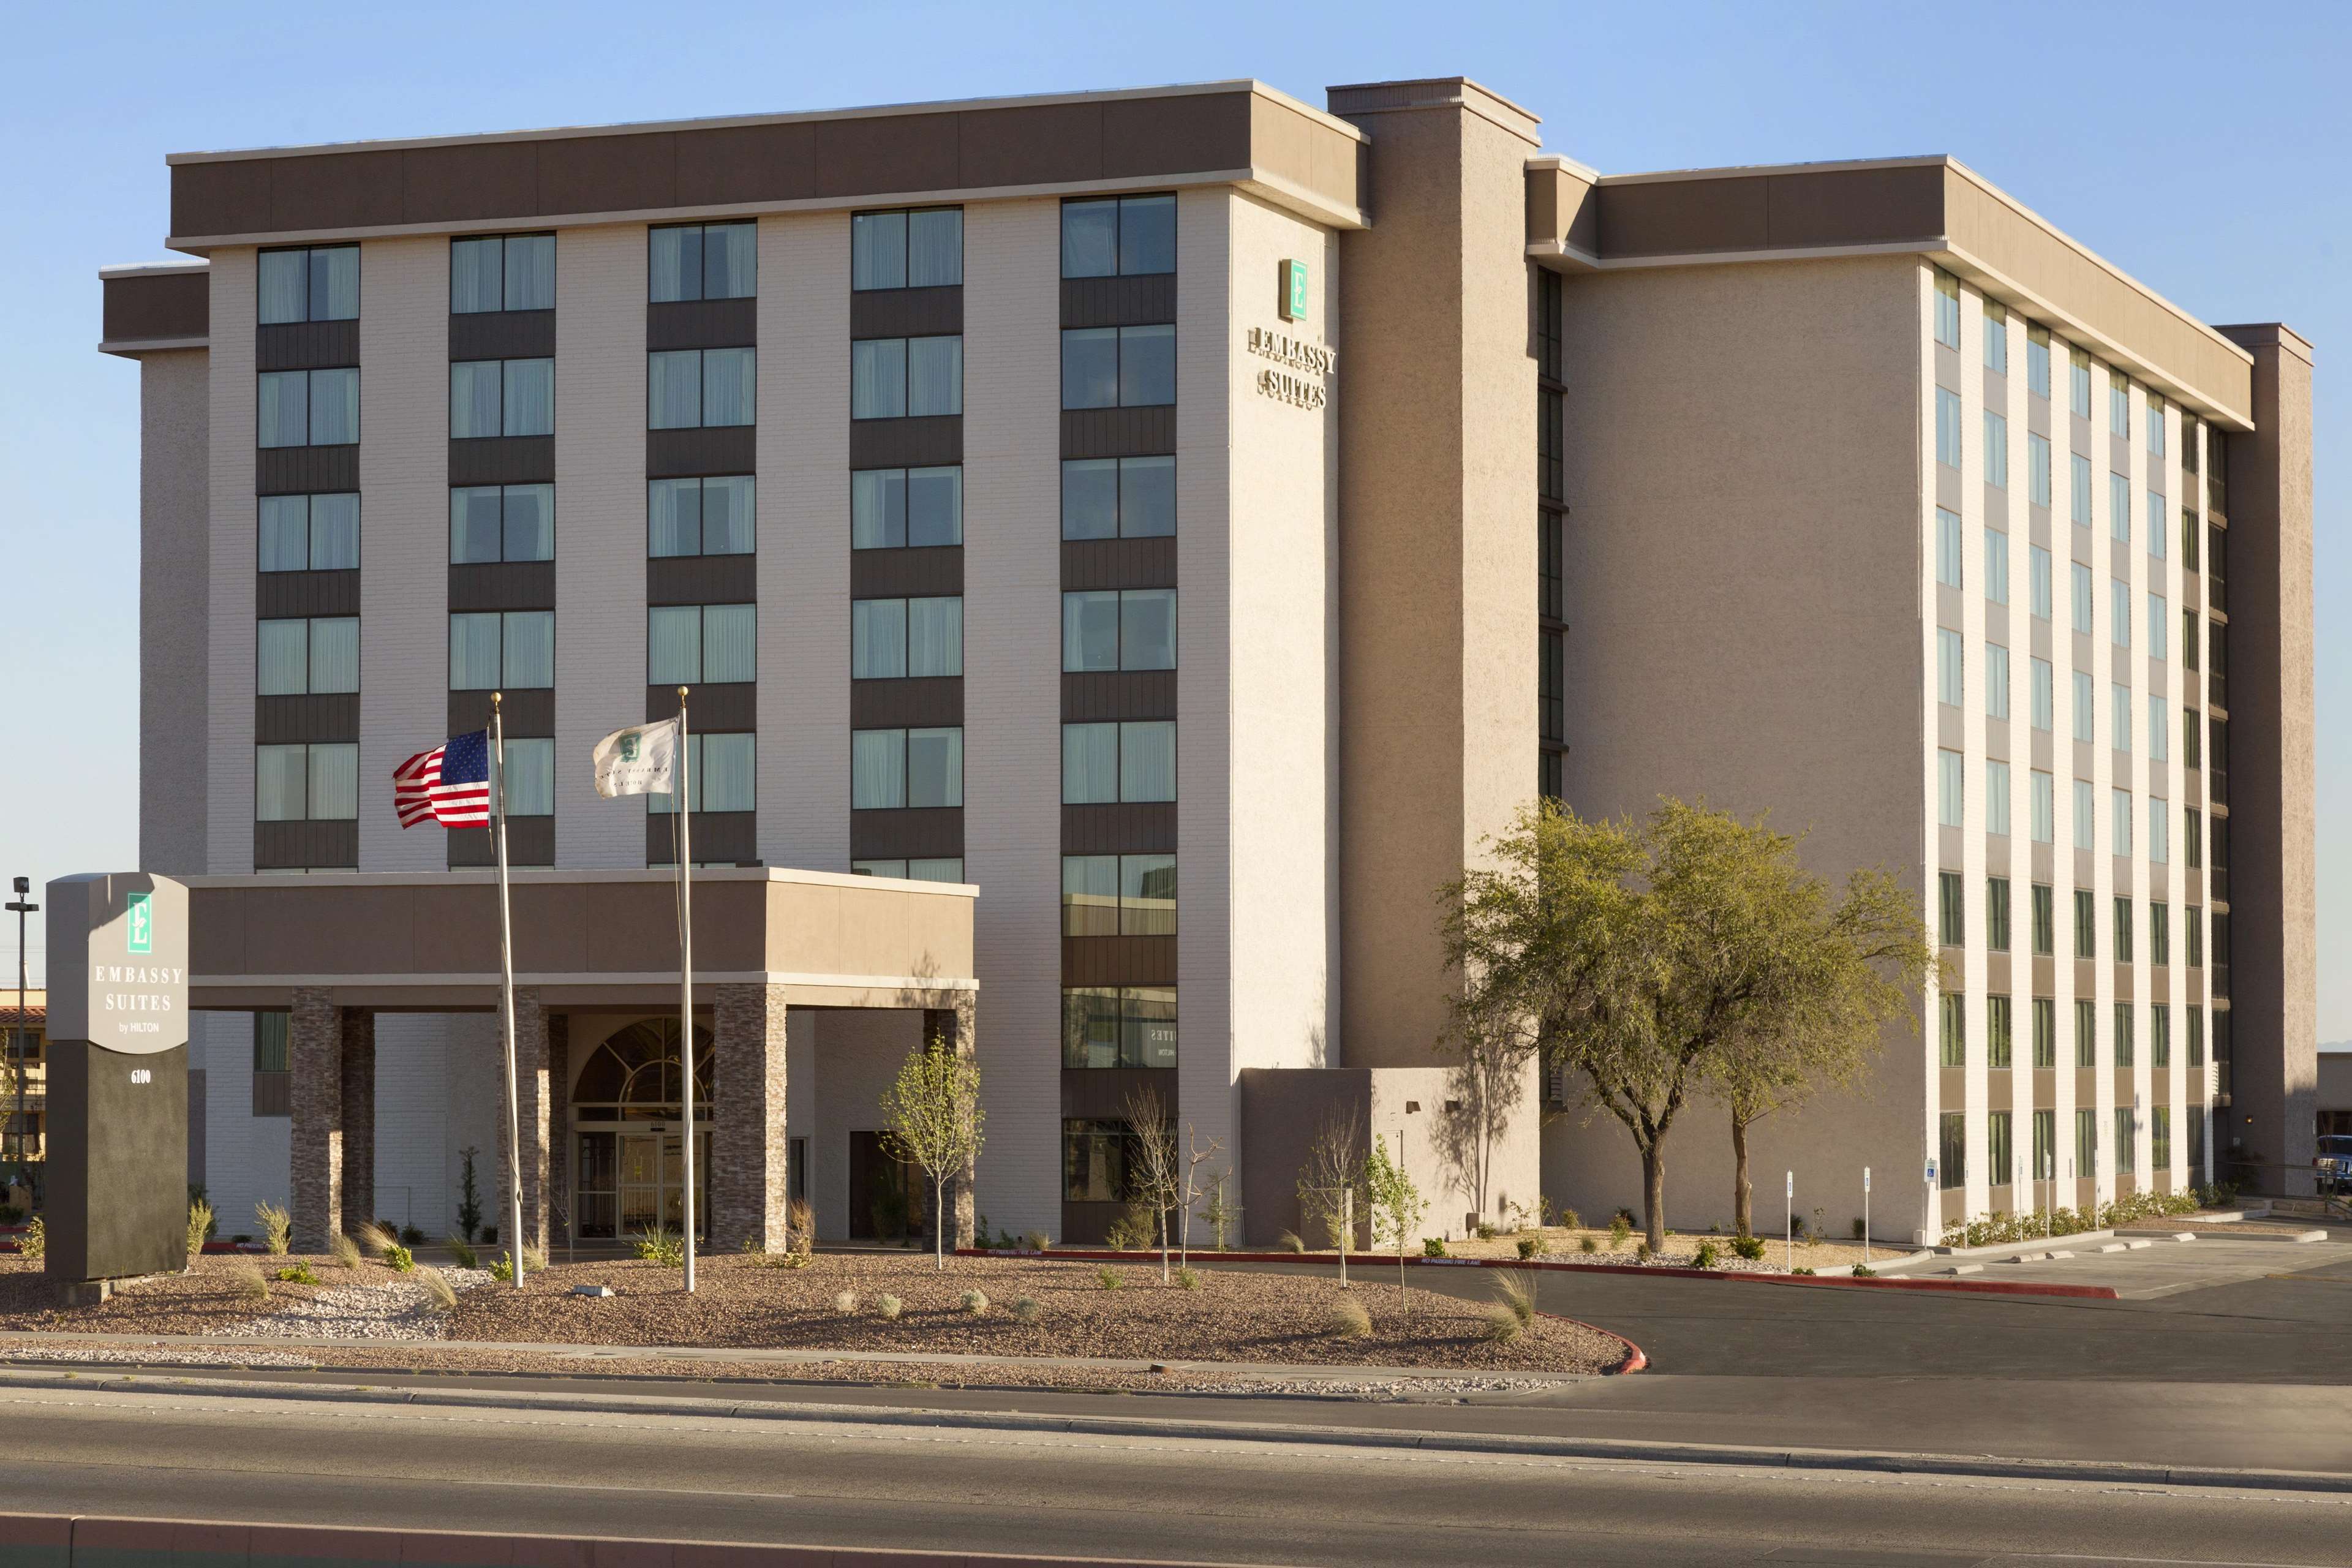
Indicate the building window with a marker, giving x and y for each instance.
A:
(2159, 1037)
(2037, 359)
(1996, 546)
(1119, 237)
(2086, 925)
(1552, 685)
(2085, 716)
(1948, 428)
(2193, 834)
(2120, 719)
(1119, 1027)
(1996, 913)
(2086, 823)
(2038, 572)
(2159, 1127)
(920, 249)
(2086, 1032)
(1948, 310)
(296, 658)
(906, 378)
(1996, 449)
(2087, 1144)
(2081, 580)
(1118, 895)
(1118, 498)
(2124, 1020)
(1131, 761)
(721, 774)
(2045, 919)
(501, 522)
(1951, 924)
(2160, 729)
(2160, 628)
(934, 868)
(2045, 1145)
(1996, 681)
(1950, 792)
(2123, 929)
(1096, 1156)
(2042, 701)
(2001, 1150)
(2156, 518)
(1952, 1151)
(689, 645)
(2037, 468)
(1951, 1031)
(1951, 681)
(501, 397)
(2127, 1139)
(687, 389)
(2120, 814)
(1998, 1034)
(2156, 425)
(1997, 797)
(2196, 1036)
(2119, 508)
(309, 533)
(1119, 367)
(2119, 615)
(2159, 932)
(315, 782)
(898, 508)
(495, 648)
(2192, 927)
(2045, 1032)
(2079, 383)
(699, 517)
(702, 261)
(308, 408)
(529, 780)
(1948, 548)
(271, 1045)
(1133, 628)
(2118, 406)
(2079, 469)
(2189, 636)
(2159, 831)
(891, 639)
(1996, 338)
(892, 769)
(503, 272)
(319, 284)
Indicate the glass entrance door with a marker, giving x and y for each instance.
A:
(641, 1195)
(673, 1182)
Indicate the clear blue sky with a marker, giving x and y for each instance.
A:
(2200, 148)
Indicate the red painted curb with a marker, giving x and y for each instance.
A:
(1357, 1259)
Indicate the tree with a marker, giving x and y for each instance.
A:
(1154, 1170)
(1490, 1043)
(1333, 1175)
(933, 1119)
(1196, 1155)
(1845, 973)
(1637, 954)
(1397, 1203)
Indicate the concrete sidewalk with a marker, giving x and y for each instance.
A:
(2141, 1268)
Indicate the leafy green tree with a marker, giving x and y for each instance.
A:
(1641, 954)
(933, 1119)
(1397, 1203)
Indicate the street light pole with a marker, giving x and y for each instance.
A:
(21, 907)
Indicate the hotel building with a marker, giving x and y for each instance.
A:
(1178, 526)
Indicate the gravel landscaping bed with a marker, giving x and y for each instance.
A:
(1561, 1244)
(206, 1300)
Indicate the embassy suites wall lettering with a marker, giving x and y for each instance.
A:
(1300, 373)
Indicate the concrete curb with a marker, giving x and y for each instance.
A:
(1626, 1450)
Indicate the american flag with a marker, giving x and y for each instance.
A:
(451, 783)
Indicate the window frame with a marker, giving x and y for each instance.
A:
(906, 248)
(309, 255)
(505, 497)
(1119, 206)
(505, 287)
(702, 260)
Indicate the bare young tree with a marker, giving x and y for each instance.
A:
(1196, 1155)
(1155, 1171)
(1332, 1174)
(934, 1120)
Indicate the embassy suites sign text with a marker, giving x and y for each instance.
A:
(1300, 371)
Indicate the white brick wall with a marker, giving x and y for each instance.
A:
(1013, 576)
(404, 535)
(245, 1157)
(599, 531)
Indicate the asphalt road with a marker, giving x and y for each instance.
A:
(1227, 1502)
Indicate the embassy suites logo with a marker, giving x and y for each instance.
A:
(1300, 371)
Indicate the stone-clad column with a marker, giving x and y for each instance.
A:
(314, 1060)
(530, 1086)
(359, 1116)
(749, 1186)
(560, 1219)
(951, 1029)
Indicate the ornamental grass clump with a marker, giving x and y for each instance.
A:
(1347, 1319)
(463, 1252)
(1588, 1245)
(976, 1301)
(1026, 1311)
(889, 1306)
(345, 1250)
(845, 1303)
(1187, 1278)
(1515, 1292)
(438, 1293)
(1290, 1242)
(200, 1224)
(1108, 1279)
(248, 1281)
(277, 1228)
(1620, 1228)
(376, 1239)
(657, 1245)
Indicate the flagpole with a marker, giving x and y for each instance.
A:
(506, 988)
(685, 966)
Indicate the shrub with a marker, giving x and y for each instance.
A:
(1290, 1242)
(345, 1250)
(249, 1282)
(1705, 1258)
(846, 1303)
(438, 1292)
(1800, 1269)
(1641, 1252)
(657, 1245)
(412, 1235)
(800, 1226)
(489, 1235)
(1026, 1311)
(1750, 1247)
(796, 1258)
(464, 1252)
(975, 1302)
(1796, 1227)
(1187, 1278)
(1864, 1272)
(11, 1215)
(1347, 1318)
(1627, 1216)
(1036, 1241)
(277, 1228)
(200, 1222)
(1502, 1325)
(1858, 1227)
(889, 1306)
(35, 1242)
(1132, 1231)
(399, 1259)
(376, 1239)
(1515, 1289)
(1570, 1220)
(1433, 1247)
(1486, 1231)
(1108, 1279)
(1588, 1245)
(502, 1270)
(1620, 1228)
(298, 1274)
